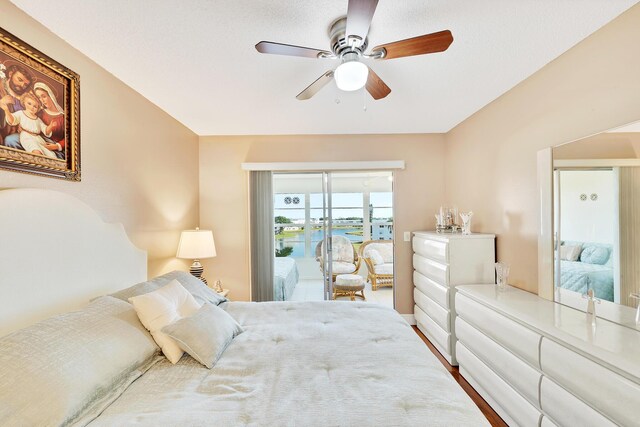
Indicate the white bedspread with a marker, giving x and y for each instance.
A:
(303, 364)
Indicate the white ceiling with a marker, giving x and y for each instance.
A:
(196, 60)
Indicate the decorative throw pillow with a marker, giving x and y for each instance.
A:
(160, 308)
(375, 257)
(206, 334)
(570, 252)
(594, 255)
(196, 287)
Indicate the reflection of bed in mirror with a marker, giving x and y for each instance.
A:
(592, 270)
(285, 278)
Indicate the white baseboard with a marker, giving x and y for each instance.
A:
(409, 318)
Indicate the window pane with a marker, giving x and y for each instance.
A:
(381, 199)
(346, 215)
(288, 200)
(316, 200)
(381, 231)
(316, 215)
(284, 216)
(347, 200)
(382, 214)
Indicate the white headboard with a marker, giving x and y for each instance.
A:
(56, 254)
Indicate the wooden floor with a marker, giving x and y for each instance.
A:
(488, 412)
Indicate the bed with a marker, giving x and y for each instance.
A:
(303, 363)
(296, 363)
(579, 277)
(285, 278)
(593, 269)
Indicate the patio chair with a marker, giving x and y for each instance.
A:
(345, 259)
(378, 256)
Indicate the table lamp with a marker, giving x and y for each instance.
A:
(196, 245)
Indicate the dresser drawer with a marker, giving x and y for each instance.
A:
(517, 373)
(430, 249)
(432, 309)
(567, 410)
(441, 337)
(521, 341)
(432, 289)
(603, 389)
(511, 402)
(432, 269)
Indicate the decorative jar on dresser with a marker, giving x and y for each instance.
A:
(441, 262)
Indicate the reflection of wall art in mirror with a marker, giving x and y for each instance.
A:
(39, 112)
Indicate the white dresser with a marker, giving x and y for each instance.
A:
(539, 363)
(441, 262)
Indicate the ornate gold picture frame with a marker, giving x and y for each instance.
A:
(39, 112)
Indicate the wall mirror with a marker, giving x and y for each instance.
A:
(593, 199)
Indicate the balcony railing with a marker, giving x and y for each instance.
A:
(304, 241)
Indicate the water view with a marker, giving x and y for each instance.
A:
(295, 238)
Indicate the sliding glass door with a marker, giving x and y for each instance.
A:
(302, 225)
(321, 222)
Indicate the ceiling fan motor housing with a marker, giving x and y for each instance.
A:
(340, 44)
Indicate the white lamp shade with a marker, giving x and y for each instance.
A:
(196, 244)
(351, 75)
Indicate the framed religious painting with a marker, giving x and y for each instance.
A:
(39, 112)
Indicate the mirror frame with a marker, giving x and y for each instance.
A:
(616, 313)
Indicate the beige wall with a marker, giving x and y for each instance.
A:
(139, 165)
(224, 192)
(601, 146)
(491, 157)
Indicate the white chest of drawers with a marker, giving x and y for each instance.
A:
(538, 363)
(441, 262)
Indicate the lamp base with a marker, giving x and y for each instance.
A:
(196, 270)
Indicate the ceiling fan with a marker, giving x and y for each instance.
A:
(349, 42)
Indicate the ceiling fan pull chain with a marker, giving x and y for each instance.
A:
(364, 100)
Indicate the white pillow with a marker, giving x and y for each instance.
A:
(375, 257)
(160, 308)
(206, 334)
(570, 252)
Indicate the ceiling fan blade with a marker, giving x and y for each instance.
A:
(315, 87)
(429, 43)
(376, 87)
(291, 50)
(359, 16)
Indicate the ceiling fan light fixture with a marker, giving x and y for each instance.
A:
(351, 74)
